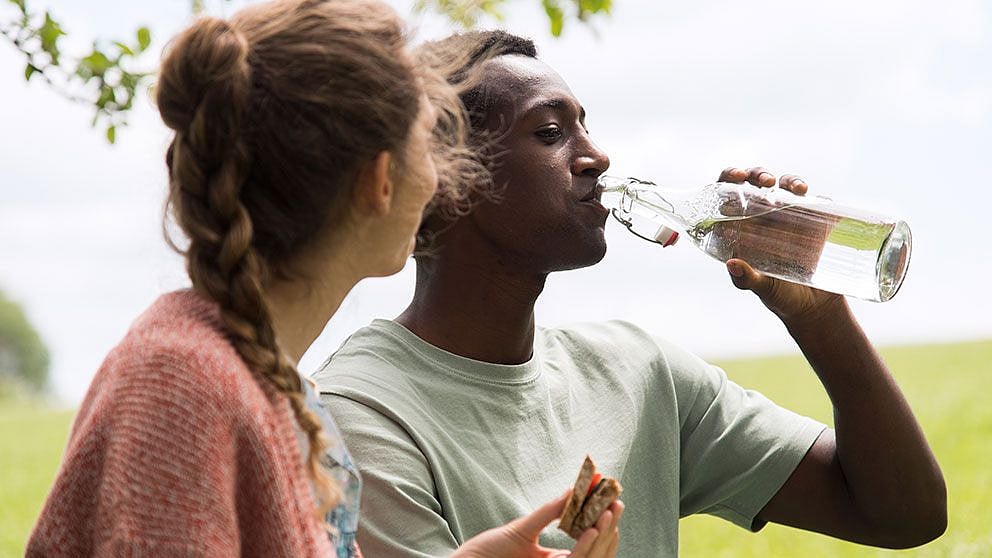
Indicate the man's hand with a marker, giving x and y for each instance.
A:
(518, 539)
(791, 302)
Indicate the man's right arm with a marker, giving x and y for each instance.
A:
(400, 512)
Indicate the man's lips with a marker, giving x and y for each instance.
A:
(595, 194)
(592, 200)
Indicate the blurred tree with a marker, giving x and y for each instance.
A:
(24, 358)
(109, 77)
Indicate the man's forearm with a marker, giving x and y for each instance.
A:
(892, 475)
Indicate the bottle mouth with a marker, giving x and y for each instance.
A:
(893, 261)
(610, 184)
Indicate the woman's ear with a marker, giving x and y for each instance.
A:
(374, 187)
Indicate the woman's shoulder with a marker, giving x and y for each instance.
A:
(176, 347)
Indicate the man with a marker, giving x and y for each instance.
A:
(462, 414)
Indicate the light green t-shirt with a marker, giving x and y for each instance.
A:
(449, 446)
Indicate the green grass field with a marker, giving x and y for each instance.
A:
(947, 385)
(32, 437)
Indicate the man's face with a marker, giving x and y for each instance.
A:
(549, 217)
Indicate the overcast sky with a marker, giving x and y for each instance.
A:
(886, 104)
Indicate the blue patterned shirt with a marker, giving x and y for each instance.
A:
(343, 518)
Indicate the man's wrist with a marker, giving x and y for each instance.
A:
(831, 317)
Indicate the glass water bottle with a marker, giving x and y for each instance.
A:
(808, 240)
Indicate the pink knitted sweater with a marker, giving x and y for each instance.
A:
(178, 451)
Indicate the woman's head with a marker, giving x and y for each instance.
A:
(294, 121)
(288, 101)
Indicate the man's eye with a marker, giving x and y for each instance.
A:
(551, 132)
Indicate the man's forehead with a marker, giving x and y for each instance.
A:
(517, 79)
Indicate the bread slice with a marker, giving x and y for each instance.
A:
(578, 496)
(584, 507)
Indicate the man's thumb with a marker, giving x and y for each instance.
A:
(746, 278)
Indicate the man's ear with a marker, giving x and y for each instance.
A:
(374, 187)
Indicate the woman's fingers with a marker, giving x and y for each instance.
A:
(606, 534)
(617, 508)
(531, 525)
(614, 543)
(589, 541)
(583, 547)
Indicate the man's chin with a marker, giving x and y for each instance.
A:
(589, 257)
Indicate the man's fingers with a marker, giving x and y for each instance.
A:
(793, 183)
(733, 174)
(760, 177)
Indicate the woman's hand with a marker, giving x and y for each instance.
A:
(518, 539)
(791, 302)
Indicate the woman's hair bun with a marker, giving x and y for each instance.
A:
(205, 69)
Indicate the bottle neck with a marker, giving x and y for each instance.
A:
(635, 197)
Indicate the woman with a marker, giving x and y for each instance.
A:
(301, 163)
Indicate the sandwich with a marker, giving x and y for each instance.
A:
(590, 497)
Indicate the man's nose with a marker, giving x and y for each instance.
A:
(592, 161)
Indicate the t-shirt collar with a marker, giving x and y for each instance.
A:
(507, 374)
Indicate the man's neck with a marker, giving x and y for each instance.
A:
(474, 311)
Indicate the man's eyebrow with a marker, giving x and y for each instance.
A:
(555, 104)
(550, 103)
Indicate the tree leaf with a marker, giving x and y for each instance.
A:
(96, 64)
(112, 134)
(492, 7)
(124, 48)
(129, 81)
(107, 96)
(29, 71)
(49, 34)
(144, 38)
(556, 15)
(594, 6)
(20, 6)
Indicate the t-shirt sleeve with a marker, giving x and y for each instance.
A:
(400, 513)
(737, 448)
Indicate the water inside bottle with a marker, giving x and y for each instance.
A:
(858, 257)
